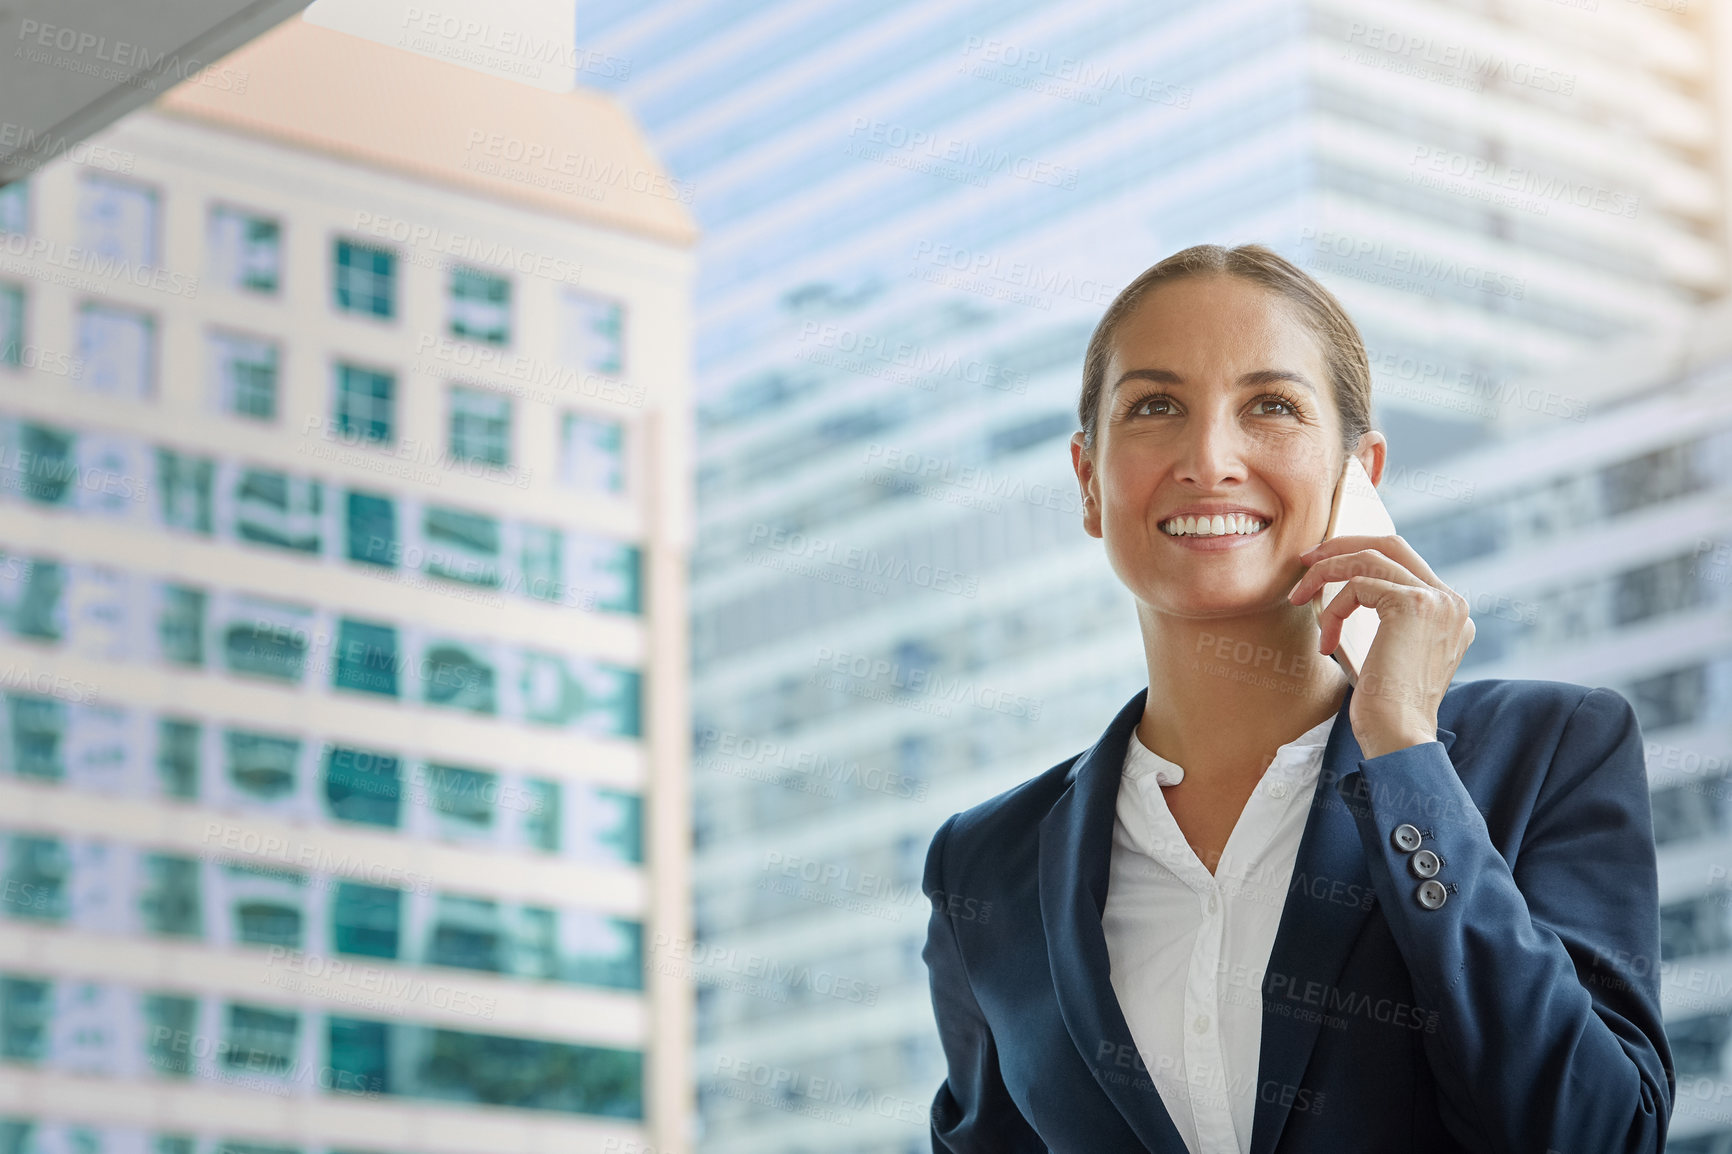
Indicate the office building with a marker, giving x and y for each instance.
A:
(913, 215)
(344, 429)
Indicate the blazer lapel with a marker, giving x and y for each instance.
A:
(1076, 839)
(1315, 934)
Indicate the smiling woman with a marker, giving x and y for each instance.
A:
(1458, 880)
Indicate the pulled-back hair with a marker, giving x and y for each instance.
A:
(1343, 350)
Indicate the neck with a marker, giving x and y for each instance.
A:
(1226, 692)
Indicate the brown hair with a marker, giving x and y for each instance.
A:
(1343, 350)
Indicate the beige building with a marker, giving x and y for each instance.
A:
(345, 446)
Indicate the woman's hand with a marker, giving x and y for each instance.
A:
(1423, 632)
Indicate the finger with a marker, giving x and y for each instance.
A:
(1366, 562)
(1393, 545)
(1367, 592)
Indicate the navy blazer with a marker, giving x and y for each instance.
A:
(1521, 1016)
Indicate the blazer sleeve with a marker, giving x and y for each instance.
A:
(972, 1113)
(1544, 977)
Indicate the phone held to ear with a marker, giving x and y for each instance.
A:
(1357, 511)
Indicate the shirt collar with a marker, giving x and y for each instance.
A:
(1299, 760)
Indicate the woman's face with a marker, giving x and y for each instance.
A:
(1215, 400)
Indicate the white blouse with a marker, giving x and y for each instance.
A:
(1188, 948)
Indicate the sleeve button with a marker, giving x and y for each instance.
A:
(1405, 837)
(1424, 864)
(1431, 894)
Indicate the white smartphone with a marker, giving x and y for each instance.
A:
(1357, 510)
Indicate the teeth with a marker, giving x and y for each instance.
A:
(1221, 525)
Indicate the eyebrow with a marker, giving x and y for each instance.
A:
(1254, 377)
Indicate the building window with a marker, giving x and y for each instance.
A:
(11, 325)
(117, 220)
(467, 934)
(461, 546)
(608, 573)
(37, 872)
(592, 332)
(543, 554)
(170, 903)
(246, 251)
(609, 952)
(32, 597)
(592, 454)
(170, 1022)
(463, 798)
(363, 786)
(366, 920)
(366, 658)
(480, 306)
(261, 1040)
(261, 765)
(372, 529)
(364, 279)
(480, 426)
(37, 726)
(244, 372)
(26, 1013)
(183, 485)
(180, 624)
(48, 459)
(177, 757)
(277, 509)
(267, 639)
(118, 347)
(364, 403)
(459, 676)
(15, 208)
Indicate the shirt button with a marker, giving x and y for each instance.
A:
(1278, 790)
(1201, 1025)
(1214, 904)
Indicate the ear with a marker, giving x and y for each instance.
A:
(1089, 482)
(1373, 453)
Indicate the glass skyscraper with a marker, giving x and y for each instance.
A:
(913, 215)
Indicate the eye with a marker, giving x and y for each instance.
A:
(1137, 409)
(1278, 399)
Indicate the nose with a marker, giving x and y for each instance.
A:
(1212, 450)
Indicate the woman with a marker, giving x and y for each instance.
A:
(1270, 910)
